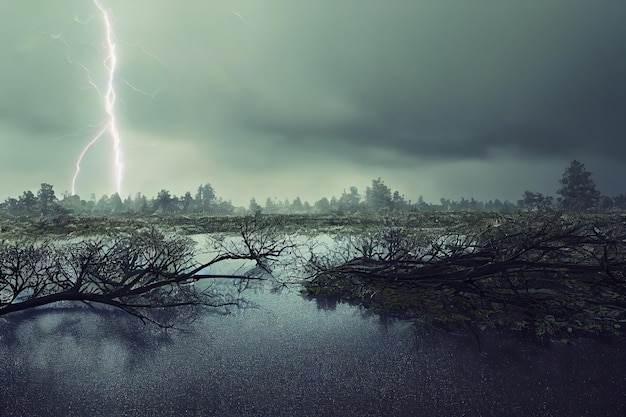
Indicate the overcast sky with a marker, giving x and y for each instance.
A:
(280, 98)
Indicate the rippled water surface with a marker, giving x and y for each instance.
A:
(288, 357)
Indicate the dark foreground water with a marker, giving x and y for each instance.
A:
(290, 358)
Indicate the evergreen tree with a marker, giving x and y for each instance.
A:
(578, 191)
(46, 198)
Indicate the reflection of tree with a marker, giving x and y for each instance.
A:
(140, 272)
(76, 320)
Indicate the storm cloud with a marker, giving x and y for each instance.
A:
(283, 98)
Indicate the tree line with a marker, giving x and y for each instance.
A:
(45, 202)
(578, 193)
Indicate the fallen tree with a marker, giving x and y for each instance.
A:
(543, 271)
(140, 272)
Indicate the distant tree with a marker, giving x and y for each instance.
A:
(578, 191)
(103, 206)
(378, 196)
(476, 206)
(187, 202)
(224, 207)
(297, 206)
(116, 203)
(163, 201)
(322, 205)
(128, 204)
(270, 206)
(507, 207)
(72, 202)
(46, 198)
(398, 201)
(349, 201)
(140, 204)
(445, 204)
(333, 205)
(619, 201)
(533, 201)
(11, 206)
(254, 207)
(205, 198)
(421, 205)
(88, 206)
(176, 203)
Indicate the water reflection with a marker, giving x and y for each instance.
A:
(326, 304)
(290, 356)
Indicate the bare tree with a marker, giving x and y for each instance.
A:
(545, 270)
(137, 272)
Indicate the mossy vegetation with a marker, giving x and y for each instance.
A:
(545, 273)
(69, 224)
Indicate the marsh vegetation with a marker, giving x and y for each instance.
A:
(542, 272)
(545, 269)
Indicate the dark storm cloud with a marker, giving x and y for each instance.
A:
(232, 90)
(510, 77)
(38, 89)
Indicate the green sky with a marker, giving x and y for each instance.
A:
(274, 98)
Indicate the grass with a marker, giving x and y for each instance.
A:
(12, 227)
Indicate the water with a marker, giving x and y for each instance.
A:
(289, 356)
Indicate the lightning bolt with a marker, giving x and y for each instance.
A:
(109, 98)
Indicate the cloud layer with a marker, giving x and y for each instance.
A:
(248, 96)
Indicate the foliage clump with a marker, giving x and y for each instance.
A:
(544, 272)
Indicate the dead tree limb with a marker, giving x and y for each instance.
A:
(539, 264)
(136, 272)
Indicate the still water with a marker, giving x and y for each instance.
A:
(289, 357)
